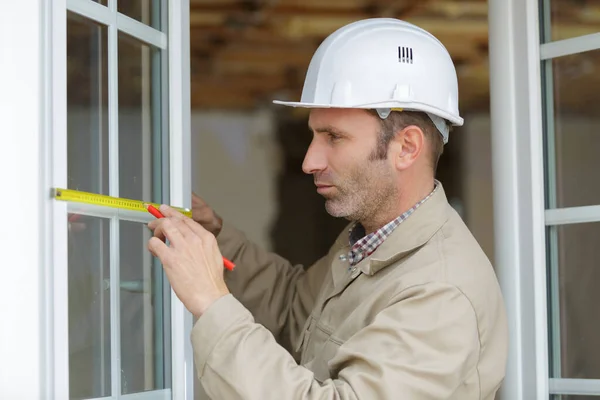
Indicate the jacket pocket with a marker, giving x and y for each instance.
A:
(325, 354)
(301, 344)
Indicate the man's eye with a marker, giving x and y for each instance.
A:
(333, 136)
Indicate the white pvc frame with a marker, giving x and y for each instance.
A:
(24, 350)
(562, 216)
(180, 181)
(517, 159)
(520, 214)
(572, 215)
(34, 304)
(570, 46)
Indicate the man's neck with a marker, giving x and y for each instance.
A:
(406, 199)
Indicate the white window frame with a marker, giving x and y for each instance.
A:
(520, 213)
(517, 160)
(24, 349)
(555, 216)
(34, 352)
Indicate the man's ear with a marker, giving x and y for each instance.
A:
(406, 146)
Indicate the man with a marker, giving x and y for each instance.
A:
(405, 305)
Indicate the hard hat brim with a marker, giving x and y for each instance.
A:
(454, 120)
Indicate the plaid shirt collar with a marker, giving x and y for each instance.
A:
(362, 246)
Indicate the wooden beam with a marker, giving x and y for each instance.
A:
(357, 9)
(215, 14)
(306, 7)
(232, 42)
(239, 83)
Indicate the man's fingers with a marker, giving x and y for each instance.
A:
(204, 236)
(156, 227)
(172, 232)
(159, 228)
(153, 224)
(178, 230)
(170, 212)
(158, 249)
(197, 228)
(184, 228)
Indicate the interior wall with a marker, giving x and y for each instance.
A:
(235, 162)
(476, 176)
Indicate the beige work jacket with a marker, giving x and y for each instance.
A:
(421, 318)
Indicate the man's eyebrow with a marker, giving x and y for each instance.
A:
(327, 129)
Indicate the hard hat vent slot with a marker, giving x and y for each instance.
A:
(405, 54)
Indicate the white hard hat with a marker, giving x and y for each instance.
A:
(384, 64)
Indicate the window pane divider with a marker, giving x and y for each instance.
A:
(572, 215)
(110, 17)
(113, 189)
(567, 47)
(92, 10)
(575, 386)
(141, 31)
(109, 212)
(163, 394)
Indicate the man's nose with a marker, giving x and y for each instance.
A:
(314, 160)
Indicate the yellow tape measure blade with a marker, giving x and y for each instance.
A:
(78, 196)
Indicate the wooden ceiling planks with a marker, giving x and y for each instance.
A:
(245, 53)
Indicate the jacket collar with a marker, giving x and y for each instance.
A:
(412, 233)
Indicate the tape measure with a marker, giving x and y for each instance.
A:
(108, 201)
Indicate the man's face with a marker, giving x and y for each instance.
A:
(342, 160)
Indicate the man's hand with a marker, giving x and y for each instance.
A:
(192, 262)
(206, 216)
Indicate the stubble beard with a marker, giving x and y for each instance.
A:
(364, 193)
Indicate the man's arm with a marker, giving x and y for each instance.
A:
(421, 346)
(279, 295)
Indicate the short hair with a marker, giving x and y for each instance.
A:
(398, 120)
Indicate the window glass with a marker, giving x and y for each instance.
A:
(572, 128)
(578, 296)
(87, 105)
(568, 19)
(144, 300)
(89, 307)
(140, 111)
(145, 11)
